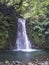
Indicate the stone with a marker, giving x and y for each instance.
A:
(17, 62)
(39, 64)
(47, 59)
(1, 63)
(30, 63)
(13, 62)
(46, 62)
(42, 64)
(7, 62)
(35, 64)
(37, 61)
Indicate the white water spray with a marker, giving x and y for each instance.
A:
(22, 41)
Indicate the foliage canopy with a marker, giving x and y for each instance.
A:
(36, 11)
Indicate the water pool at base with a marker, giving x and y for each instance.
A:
(24, 56)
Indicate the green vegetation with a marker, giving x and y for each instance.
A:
(3, 30)
(36, 12)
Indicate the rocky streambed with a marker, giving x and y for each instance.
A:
(36, 62)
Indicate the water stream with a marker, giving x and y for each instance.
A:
(24, 56)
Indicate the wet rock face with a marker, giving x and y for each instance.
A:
(12, 32)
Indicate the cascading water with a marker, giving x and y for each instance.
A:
(22, 41)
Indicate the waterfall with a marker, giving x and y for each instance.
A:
(22, 41)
